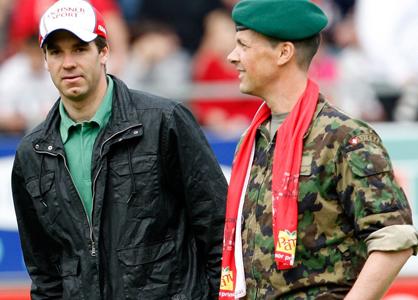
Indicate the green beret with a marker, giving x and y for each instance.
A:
(281, 19)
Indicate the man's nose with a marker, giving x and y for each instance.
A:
(232, 56)
(69, 61)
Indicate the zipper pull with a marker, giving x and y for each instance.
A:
(93, 249)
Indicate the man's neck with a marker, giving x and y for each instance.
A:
(286, 93)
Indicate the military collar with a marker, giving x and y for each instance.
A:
(320, 105)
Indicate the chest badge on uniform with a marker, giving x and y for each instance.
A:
(354, 141)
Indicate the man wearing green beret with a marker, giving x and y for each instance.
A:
(313, 208)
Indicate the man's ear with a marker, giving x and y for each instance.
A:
(285, 52)
(104, 55)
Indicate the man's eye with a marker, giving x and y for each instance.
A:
(80, 49)
(242, 44)
(244, 47)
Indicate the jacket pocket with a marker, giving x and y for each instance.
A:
(149, 271)
(71, 281)
(44, 195)
(136, 182)
(69, 266)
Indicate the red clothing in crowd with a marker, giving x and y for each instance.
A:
(210, 68)
(26, 14)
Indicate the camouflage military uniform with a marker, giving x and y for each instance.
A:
(347, 191)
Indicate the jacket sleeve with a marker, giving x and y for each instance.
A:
(203, 187)
(40, 251)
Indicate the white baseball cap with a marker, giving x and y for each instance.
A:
(76, 16)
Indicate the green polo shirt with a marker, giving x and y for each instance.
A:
(78, 140)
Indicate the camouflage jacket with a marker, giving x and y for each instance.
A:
(347, 191)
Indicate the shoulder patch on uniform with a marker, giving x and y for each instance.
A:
(364, 138)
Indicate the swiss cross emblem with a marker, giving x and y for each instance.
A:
(354, 140)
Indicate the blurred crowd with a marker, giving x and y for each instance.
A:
(367, 64)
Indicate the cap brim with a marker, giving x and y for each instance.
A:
(83, 35)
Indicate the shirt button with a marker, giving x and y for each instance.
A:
(37, 146)
(49, 147)
(136, 132)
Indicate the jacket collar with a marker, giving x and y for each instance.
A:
(123, 117)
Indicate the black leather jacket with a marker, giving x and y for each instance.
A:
(158, 207)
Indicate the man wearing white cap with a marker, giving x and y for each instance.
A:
(117, 193)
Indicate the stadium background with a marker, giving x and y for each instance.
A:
(371, 73)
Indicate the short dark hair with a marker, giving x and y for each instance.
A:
(305, 49)
(100, 42)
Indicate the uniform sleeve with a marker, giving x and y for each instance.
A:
(370, 195)
(203, 186)
(393, 238)
(39, 250)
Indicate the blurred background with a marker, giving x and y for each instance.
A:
(367, 65)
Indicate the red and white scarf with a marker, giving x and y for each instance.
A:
(285, 189)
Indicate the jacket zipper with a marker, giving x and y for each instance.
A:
(115, 134)
(93, 245)
(91, 242)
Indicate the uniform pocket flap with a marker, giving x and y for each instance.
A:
(69, 266)
(35, 189)
(140, 164)
(145, 254)
(371, 159)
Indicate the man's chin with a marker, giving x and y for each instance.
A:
(245, 90)
(73, 94)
